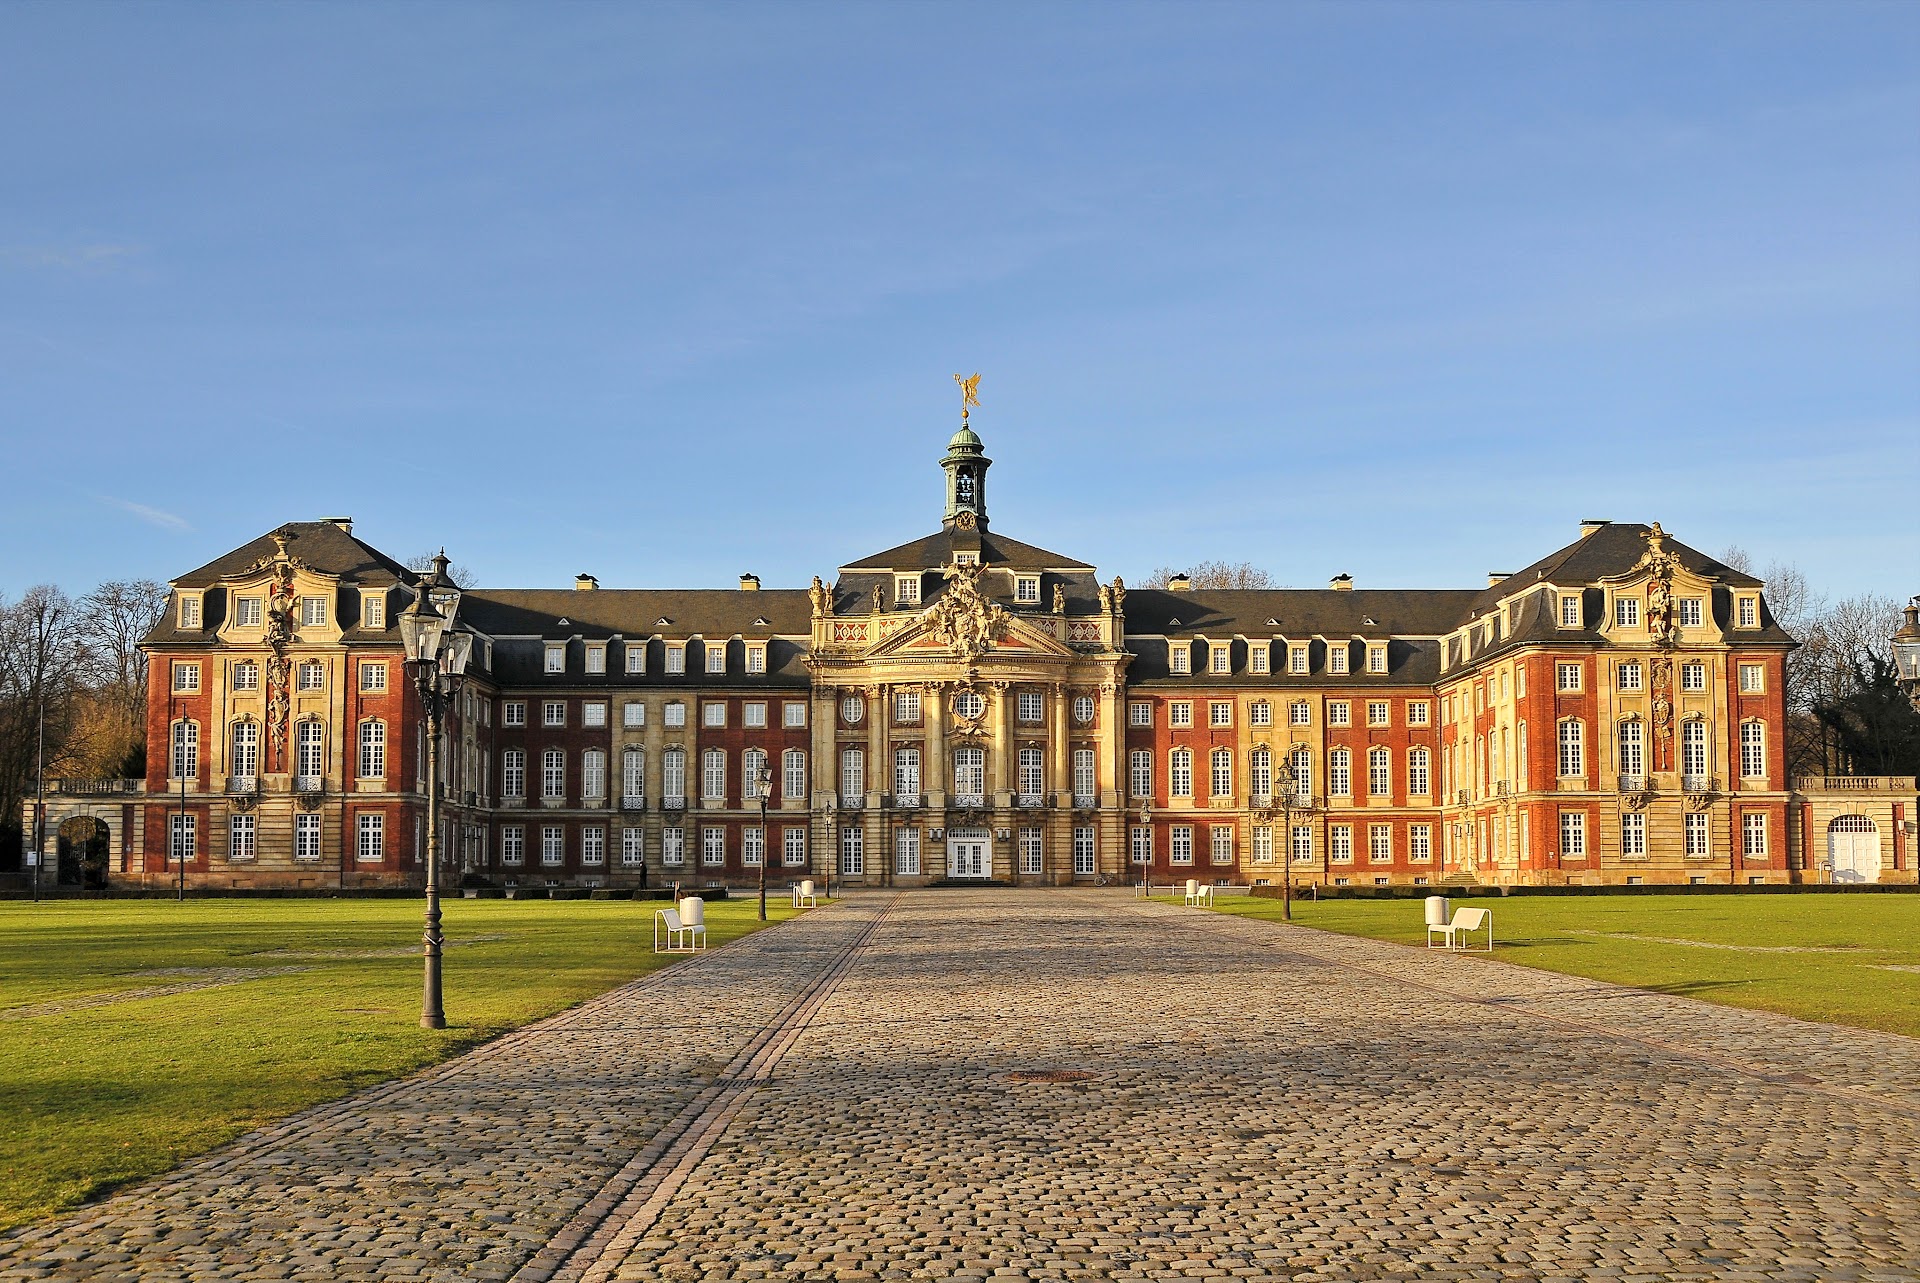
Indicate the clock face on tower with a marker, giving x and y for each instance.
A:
(964, 521)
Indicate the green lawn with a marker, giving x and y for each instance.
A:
(1845, 959)
(98, 1088)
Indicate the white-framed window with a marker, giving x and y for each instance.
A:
(371, 828)
(1693, 748)
(853, 775)
(1573, 833)
(556, 657)
(1340, 772)
(1028, 707)
(313, 612)
(1377, 657)
(852, 708)
(1626, 612)
(1300, 713)
(1569, 610)
(185, 756)
(676, 658)
(1219, 712)
(593, 844)
(1220, 843)
(1339, 713)
(970, 771)
(1419, 843)
(1340, 843)
(1747, 612)
(1419, 773)
(1260, 771)
(633, 845)
(593, 713)
(1693, 676)
(1379, 772)
(1300, 772)
(1297, 658)
(716, 656)
(1632, 747)
(1633, 835)
(1260, 713)
(906, 852)
(1180, 844)
(1379, 712)
(970, 704)
(1260, 845)
(1753, 750)
(309, 750)
(673, 846)
(793, 714)
(633, 772)
(1140, 713)
(1221, 775)
(1379, 843)
(306, 837)
(553, 773)
(1753, 679)
(1139, 772)
(513, 773)
(245, 761)
(674, 715)
(1180, 773)
(906, 706)
(853, 851)
(713, 712)
(593, 773)
(373, 675)
(673, 774)
(1220, 657)
(793, 847)
(1140, 844)
(1179, 657)
(1030, 861)
(553, 845)
(1753, 833)
(1180, 713)
(513, 712)
(513, 845)
(906, 590)
(1691, 613)
(1026, 589)
(240, 830)
(1567, 676)
(247, 612)
(636, 656)
(793, 775)
(713, 847)
(1082, 709)
(1337, 657)
(183, 836)
(373, 750)
(633, 714)
(753, 846)
(753, 715)
(1630, 676)
(1698, 842)
(553, 712)
(246, 676)
(186, 678)
(713, 774)
(1420, 712)
(1029, 776)
(1299, 844)
(1573, 757)
(597, 657)
(906, 772)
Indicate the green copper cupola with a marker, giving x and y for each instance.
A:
(966, 466)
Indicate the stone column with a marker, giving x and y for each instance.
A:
(1004, 781)
(934, 768)
(1056, 851)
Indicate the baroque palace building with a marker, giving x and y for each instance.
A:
(969, 707)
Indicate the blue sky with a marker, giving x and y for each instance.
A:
(667, 293)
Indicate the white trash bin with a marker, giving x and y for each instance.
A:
(693, 912)
(1438, 911)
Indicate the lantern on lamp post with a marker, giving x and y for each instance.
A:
(437, 657)
(1906, 652)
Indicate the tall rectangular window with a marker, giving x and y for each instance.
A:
(970, 772)
(753, 846)
(306, 837)
(553, 773)
(372, 837)
(633, 846)
(186, 751)
(1219, 658)
(309, 747)
(1379, 772)
(1083, 773)
(716, 657)
(1693, 750)
(1220, 843)
(1753, 750)
(556, 657)
(713, 774)
(1139, 773)
(793, 775)
(1180, 773)
(513, 773)
(1698, 843)
(673, 775)
(1083, 855)
(1419, 842)
(1340, 844)
(1340, 773)
(553, 845)
(756, 659)
(597, 658)
(1140, 844)
(906, 772)
(183, 836)
(1573, 760)
(1030, 850)
(1296, 659)
(1179, 657)
(673, 846)
(1180, 844)
(1569, 611)
(1749, 612)
(1753, 833)
(713, 847)
(793, 847)
(1337, 658)
(1257, 656)
(373, 750)
(853, 852)
(1573, 833)
(593, 845)
(240, 837)
(906, 852)
(1633, 834)
(636, 656)
(1632, 750)
(853, 776)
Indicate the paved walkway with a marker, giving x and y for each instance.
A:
(997, 1085)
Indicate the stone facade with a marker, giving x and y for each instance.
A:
(970, 707)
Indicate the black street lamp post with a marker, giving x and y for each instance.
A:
(764, 782)
(437, 657)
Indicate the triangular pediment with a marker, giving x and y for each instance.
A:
(1008, 635)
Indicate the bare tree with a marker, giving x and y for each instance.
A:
(39, 669)
(113, 620)
(1215, 575)
(421, 562)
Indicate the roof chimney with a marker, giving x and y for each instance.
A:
(1494, 577)
(1341, 583)
(1592, 524)
(1180, 583)
(585, 583)
(749, 583)
(345, 523)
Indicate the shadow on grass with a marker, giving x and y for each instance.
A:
(1687, 988)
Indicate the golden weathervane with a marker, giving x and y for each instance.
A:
(969, 395)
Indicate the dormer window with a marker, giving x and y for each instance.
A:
(636, 657)
(190, 611)
(556, 657)
(597, 658)
(1690, 612)
(757, 658)
(1297, 659)
(1026, 589)
(1377, 658)
(1626, 612)
(676, 657)
(906, 590)
(246, 612)
(1220, 657)
(1569, 610)
(1179, 657)
(1337, 658)
(373, 610)
(966, 558)
(716, 657)
(1748, 612)
(313, 612)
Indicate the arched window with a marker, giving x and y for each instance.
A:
(853, 776)
(373, 750)
(1419, 775)
(673, 776)
(245, 762)
(793, 775)
(1632, 746)
(593, 773)
(553, 773)
(752, 763)
(1573, 755)
(309, 753)
(185, 762)
(1340, 773)
(1300, 766)
(1180, 773)
(1084, 773)
(633, 773)
(1222, 781)
(713, 773)
(1379, 772)
(1260, 769)
(1753, 750)
(1693, 750)
(906, 772)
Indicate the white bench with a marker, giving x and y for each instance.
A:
(684, 927)
(1465, 923)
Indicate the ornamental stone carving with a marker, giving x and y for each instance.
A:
(962, 618)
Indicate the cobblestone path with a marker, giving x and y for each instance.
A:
(997, 1085)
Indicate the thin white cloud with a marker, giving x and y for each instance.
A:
(68, 257)
(165, 520)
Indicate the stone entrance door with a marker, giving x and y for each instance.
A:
(967, 855)
(1853, 847)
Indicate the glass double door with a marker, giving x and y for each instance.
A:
(968, 854)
